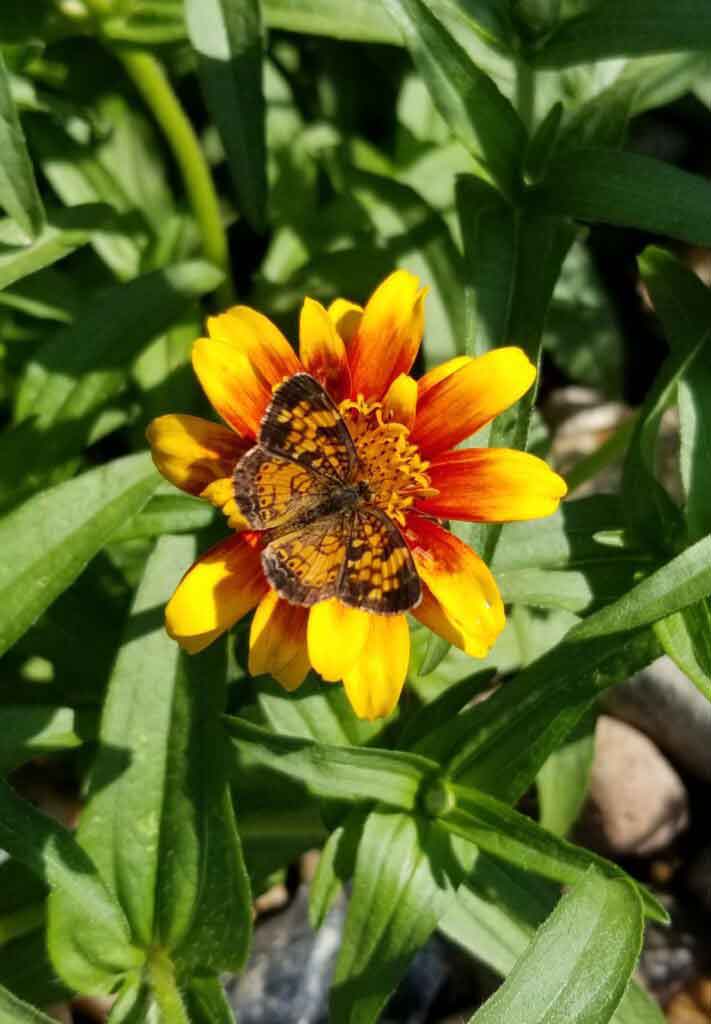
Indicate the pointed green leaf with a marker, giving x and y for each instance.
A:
(14, 1011)
(401, 889)
(65, 231)
(206, 1002)
(55, 534)
(227, 37)
(159, 789)
(18, 189)
(563, 779)
(35, 729)
(580, 962)
(478, 114)
(627, 189)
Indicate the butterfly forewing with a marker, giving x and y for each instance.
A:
(303, 425)
(271, 491)
(378, 574)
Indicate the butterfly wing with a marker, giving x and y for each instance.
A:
(378, 573)
(305, 564)
(271, 491)
(303, 425)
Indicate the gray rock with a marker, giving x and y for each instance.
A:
(665, 705)
(637, 803)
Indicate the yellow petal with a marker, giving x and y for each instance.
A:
(374, 682)
(438, 373)
(491, 485)
(346, 317)
(222, 586)
(460, 601)
(256, 337)
(462, 402)
(322, 350)
(336, 635)
(221, 494)
(389, 335)
(277, 641)
(192, 452)
(231, 383)
(400, 402)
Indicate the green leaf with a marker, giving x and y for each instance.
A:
(167, 513)
(35, 729)
(133, 1002)
(342, 773)
(563, 779)
(14, 1011)
(362, 21)
(315, 712)
(686, 638)
(627, 189)
(478, 114)
(53, 854)
(580, 962)
(401, 889)
(612, 29)
(55, 534)
(504, 833)
(206, 1002)
(18, 189)
(227, 37)
(64, 232)
(159, 788)
(74, 374)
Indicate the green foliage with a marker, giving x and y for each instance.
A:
(147, 148)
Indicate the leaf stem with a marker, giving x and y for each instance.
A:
(165, 989)
(149, 77)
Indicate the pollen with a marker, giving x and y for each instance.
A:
(390, 465)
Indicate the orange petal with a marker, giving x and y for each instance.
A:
(192, 452)
(389, 335)
(221, 493)
(222, 586)
(438, 373)
(346, 317)
(492, 485)
(336, 636)
(400, 402)
(277, 641)
(323, 351)
(256, 337)
(460, 600)
(230, 381)
(375, 680)
(462, 402)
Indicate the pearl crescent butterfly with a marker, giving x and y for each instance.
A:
(325, 537)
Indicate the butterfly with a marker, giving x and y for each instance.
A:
(325, 538)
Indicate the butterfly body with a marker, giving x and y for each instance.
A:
(302, 486)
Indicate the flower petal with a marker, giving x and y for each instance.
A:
(336, 635)
(256, 337)
(461, 601)
(221, 493)
(400, 402)
(438, 373)
(389, 335)
(231, 383)
(464, 401)
(323, 351)
(222, 586)
(277, 641)
(192, 452)
(374, 682)
(346, 317)
(492, 485)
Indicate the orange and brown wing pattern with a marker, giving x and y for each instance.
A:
(303, 425)
(305, 564)
(271, 491)
(379, 574)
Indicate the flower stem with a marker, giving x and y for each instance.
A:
(149, 77)
(165, 990)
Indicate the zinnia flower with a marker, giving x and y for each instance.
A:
(405, 435)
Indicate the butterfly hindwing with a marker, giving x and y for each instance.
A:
(378, 574)
(303, 425)
(305, 564)
(271, 491)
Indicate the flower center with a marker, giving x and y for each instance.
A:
(390, 464)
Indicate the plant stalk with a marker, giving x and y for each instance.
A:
(149, 77)
(165, 989)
